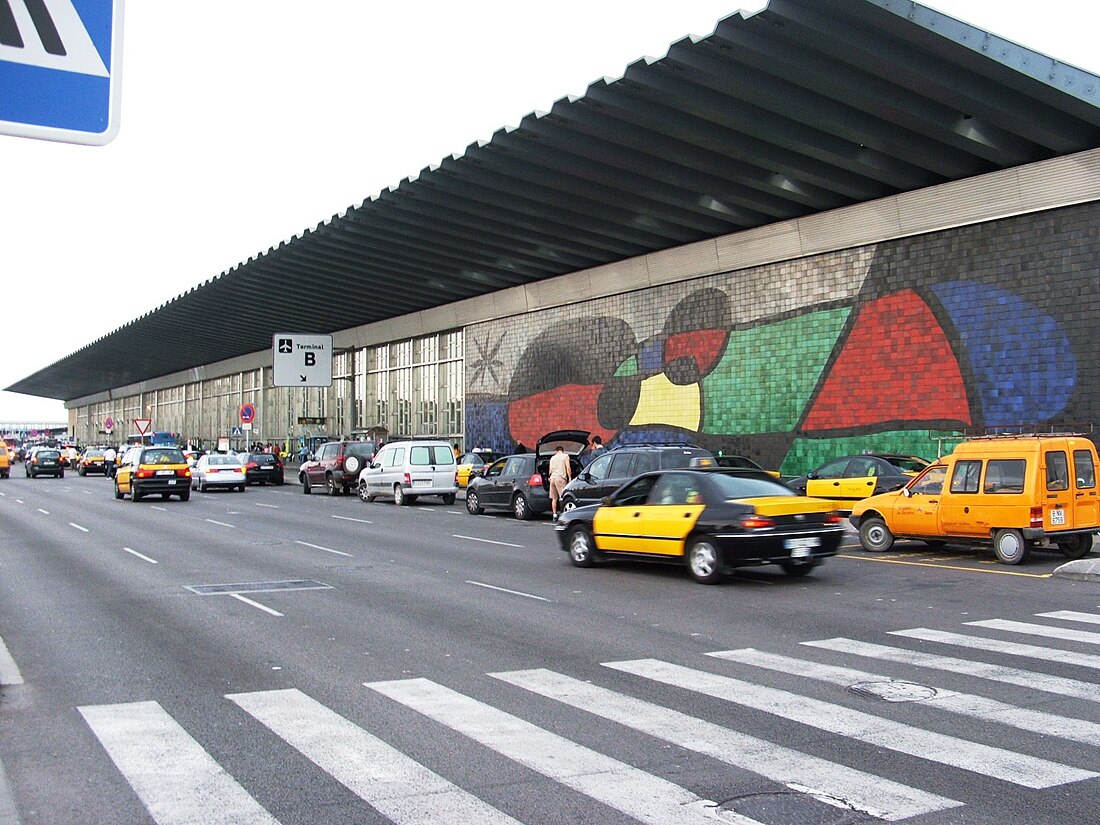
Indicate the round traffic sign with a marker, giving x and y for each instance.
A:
(108, 424)
(247, 413)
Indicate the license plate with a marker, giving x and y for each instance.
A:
(166, 472)
(171, 481)
(1057, 516)
(801, 547)
(422, 482)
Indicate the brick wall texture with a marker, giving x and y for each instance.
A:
(881, 347)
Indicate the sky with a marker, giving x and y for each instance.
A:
(245, 122)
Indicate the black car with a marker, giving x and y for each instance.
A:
(263, 468)
(608, 472)
(712, 521)
(44, 461)
(521, 483)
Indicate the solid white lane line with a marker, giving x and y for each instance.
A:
(487, 541)
(43, 512)
(139, 555)
(326, 549)
(997, 763)
(221, 523)
(19, 501)
(1072, 616)
(176, 779)
(982, 670)
(271, 506)
(506, 590)
(9, 670)
(636, 793)
(158, 507)
(349, 518)
(255, 604)
(964, 704)
(1069, 657)
(401, 789)
(1027, 628)
(78, 527)
(864, 792)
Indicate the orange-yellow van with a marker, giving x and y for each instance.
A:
(1015, 492)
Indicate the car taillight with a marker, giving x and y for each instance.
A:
(834, 518)
(144, 473)
(408, 479)
(252, 465)
(535, 480)
(755, 522)
(1036, 517)
(185, 472)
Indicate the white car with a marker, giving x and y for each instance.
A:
(217, 470)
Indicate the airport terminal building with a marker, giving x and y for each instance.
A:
(831, 226)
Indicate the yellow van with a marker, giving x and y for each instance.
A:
(1015, 492)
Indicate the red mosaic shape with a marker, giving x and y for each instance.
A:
(896, 365)
(571, 406)
(704, 345)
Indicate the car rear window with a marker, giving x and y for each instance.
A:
(738, 486)
(48, 454)
(221, 460)
(263, 459)
(163, 457)
(363, 450)
(681, 459)
(909, 465)
(427, 455)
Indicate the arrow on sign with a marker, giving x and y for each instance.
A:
(302, 377)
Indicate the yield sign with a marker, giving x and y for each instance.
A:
(143, 425)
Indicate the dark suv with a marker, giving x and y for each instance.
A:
(611, 470)
(336, 466)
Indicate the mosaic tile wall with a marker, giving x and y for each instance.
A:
(879, 348)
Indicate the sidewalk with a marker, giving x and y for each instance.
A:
(1087, 570)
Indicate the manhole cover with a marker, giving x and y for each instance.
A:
(893, 691)
(257, 587)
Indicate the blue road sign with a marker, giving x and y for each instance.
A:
(236, 432)
(60, 63)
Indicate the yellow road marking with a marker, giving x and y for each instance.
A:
(948, 567)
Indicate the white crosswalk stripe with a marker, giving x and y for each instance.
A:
(1072, 616)
(392, 783)
(1060, 685)
(1028, 628)
(1005, 765)
(1068, 657)
(1077, 730)
(636, 793)
(859, 790)
(179, 783)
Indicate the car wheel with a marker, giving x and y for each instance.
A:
(399, 497)
(165, 496)
(473, 504)
(243, 487)
(305, 484)
(1074, 547)
(797, 568)
(1010, 547)
(134, 494)
(520, 509)
(118, 492)
(703, 562)
(202, 486)
(568, 504)
(280, 483)
(60, 473)
(875, 536)
(580, 546)
(330, 485)
(361, 491)
(448, 498)
(81, 472)
(185, 495)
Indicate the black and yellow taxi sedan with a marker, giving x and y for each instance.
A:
(712, 521)
(153, 470)
(91, 461)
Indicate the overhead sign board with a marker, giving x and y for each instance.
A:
(60, 69)
(300, 360)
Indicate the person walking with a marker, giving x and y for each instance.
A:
(109, 456)
(598, 448)
(560, 475)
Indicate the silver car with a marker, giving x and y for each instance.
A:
(218, 470)
(406, 470)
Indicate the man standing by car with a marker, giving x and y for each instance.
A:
(560, 475)
(109, 456)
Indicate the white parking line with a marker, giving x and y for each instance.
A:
(506, 590)
(262, 607)
(326, 549)
(272, 506)
(78, 527)
(349, 518)
(19, 501)
(9, 670)
(139, 555)
(488, 541)
(43, 512)
(221, 523)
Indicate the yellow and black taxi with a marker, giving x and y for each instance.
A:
(5, 462)
(711, 520)
(90, 461)
(471, 461)
(153, 470)
(852, 478)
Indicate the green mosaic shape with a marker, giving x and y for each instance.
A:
(768, 374)
(628, 367)
(809, 453)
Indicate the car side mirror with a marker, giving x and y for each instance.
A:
(905, 491)
(608, 500)
(586, 476)
(811, 475)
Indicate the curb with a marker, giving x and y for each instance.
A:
(1087, 570)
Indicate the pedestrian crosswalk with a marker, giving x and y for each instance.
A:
(594, 757)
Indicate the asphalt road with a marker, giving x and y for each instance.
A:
(429, 665)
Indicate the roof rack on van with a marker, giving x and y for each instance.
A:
(655, 444)
(1026, 430)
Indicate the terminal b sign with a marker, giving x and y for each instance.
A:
(301, 360)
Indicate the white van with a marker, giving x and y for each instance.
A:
(406, 470)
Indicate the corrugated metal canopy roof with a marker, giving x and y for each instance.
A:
(806, 106)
